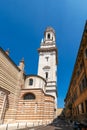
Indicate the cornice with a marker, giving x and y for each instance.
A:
(9, 59)
(47, 43)
(50, 49)
(47, 49)
(32, 75)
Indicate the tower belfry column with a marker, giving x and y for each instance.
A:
(47, 66)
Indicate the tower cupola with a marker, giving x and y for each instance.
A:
(49, 36)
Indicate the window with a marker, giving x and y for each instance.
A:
(82, 107)
(30, 81)
(46, 75)
(80, 111)
(86, 105)
(48, 36)
(74, 82)
(78, 72)
(29, 96)
(86, 53)
(86, 30)
(83, 84)
(81, 88)
(77, 110)
(75, 96)
(81, 66)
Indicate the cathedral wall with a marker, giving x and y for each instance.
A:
(9, 81)
(38, 82)
(49, 108)
(39, 109)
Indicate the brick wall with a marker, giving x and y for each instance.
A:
(41, 108)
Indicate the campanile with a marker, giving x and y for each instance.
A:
(47, 65)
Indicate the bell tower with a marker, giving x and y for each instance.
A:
(47, 65)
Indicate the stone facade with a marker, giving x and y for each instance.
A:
(40, 109)
(76, 98)
(24, 97)
(9, 81)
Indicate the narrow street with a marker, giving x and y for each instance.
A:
(57, 125)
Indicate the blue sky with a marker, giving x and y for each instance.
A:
(22, 26)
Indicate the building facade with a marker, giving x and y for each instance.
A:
(76, 98)
(30, 98)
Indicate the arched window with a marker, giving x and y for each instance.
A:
(29, 96)
(46, 75)
(48, 35)
(86, 53)
(30, 81)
